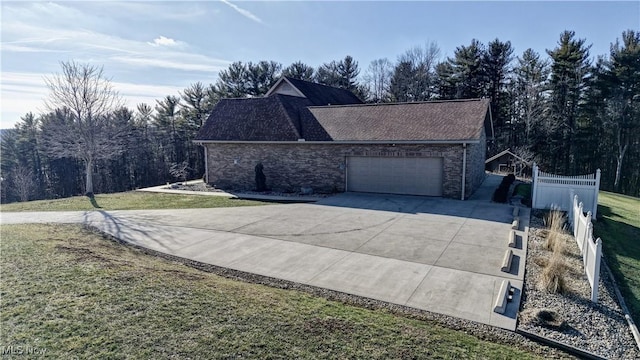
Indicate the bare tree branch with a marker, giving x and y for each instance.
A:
(81, 125)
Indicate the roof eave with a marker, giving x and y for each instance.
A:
(344, 142)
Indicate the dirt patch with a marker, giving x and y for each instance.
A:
(84, 255)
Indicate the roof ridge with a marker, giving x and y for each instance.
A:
(400, 103)
(289, 119)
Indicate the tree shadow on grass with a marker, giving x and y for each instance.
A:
(94, 203)
(620, 240)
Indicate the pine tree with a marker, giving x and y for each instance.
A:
(445, 82)
(531, 74)
(400, 84)
(570, 69)
(621, 90)
(299, 70)
(468, 70)
(496, 68)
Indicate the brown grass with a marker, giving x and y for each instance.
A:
(555, 221)
(555, 235)
(552, 279)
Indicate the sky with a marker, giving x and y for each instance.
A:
(151, 49)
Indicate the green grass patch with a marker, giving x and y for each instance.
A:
(75, 294)
(133, 200)
(523, 190)
(618, 226)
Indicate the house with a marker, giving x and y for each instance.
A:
(312, 135)
(507, 161)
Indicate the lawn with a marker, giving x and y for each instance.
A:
(133, 200)
(618, 226)
(72, 293)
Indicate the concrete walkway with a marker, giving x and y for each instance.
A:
(433, 254)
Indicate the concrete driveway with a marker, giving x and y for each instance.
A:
(434, 254)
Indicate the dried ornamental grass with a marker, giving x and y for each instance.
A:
(552, 279)
(555, 221)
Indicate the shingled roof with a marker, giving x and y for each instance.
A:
(291, 117)
(319, 94)
(254, 119)
(418, 121)
(274, 118)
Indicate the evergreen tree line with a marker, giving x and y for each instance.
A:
(566, 111)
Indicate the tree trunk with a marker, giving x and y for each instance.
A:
(89, 174)
(622, 149)
(619, 159)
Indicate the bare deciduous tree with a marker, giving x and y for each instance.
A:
(22, 182)
(89, 134)
(180, 170)
(378, 79)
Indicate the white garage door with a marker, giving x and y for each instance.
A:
(415, 176)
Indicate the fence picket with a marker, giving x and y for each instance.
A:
(591, 250)
(548, 188)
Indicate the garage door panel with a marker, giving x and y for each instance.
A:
(415, 175)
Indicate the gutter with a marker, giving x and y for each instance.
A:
(206, 165)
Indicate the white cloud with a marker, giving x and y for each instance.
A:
(157, 10)
(86, 43)
(164, 41)
(37, 35)
(26, 92)
(22, 48)
(20, 93)
(243, 12)
(177, 64)
(24, 32)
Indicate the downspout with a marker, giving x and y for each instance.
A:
(464, 168)
(206, 164)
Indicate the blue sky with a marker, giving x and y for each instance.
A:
(151, 49)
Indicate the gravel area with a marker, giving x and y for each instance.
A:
(598, 328)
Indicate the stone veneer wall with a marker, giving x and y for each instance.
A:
(476, 155)
(290, 166)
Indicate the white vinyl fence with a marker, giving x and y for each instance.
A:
(591, 250)
(553, 191)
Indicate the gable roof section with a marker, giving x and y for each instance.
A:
(507, 152)
(317, 94)
(253, 119)
(456, 120)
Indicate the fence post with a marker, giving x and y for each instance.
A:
(575, 216)
(534, 205)
(596, 272)
(588, 234)
(595, 195)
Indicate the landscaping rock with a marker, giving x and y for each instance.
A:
(572, 318)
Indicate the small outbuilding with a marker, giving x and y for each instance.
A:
(508, 162)
(311, 135)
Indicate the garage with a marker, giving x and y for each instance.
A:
(395, 175)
